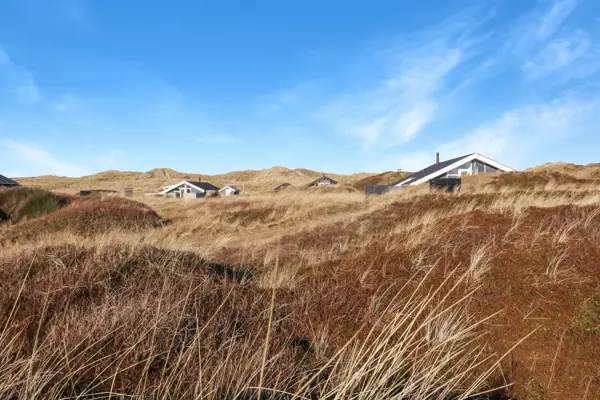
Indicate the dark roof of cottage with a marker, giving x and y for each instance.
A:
(4, 181)
(283, 185)
(204, 185)
(333, 181)
(432, 169)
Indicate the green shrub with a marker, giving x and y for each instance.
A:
(25, 203)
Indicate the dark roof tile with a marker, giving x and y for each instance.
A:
(204, 185)
(4, 181)
(283, 186)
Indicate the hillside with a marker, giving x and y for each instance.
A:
(325, 294)
(589, 171)
(385, 178)
(154, 180)
(256, 181)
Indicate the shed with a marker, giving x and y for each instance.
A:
(229, 191)
(377, 189)
(445, 184)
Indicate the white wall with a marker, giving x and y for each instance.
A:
(227, 192)
(323, 182)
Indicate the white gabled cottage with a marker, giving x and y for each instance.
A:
(323, 181)
(189, 189)
(471, 164)
(229, 191)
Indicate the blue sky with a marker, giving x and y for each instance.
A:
(339, 86)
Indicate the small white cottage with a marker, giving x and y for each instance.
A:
(229, 191)
(323, 181)
(189, 190)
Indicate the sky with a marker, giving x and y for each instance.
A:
(212, 86)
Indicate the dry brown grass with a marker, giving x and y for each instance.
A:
(254, 181)
(308, 294)
(87, 216)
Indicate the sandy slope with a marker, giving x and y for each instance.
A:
(153, 180)
(267, 179)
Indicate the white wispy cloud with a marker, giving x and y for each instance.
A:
(215, 140)
(33, 160)
(533, 42)
(517, 133)
(406, 97)
(554, 18)
(572, 56)
(66, 102)
(433, 74)
(537, 27)
(558, 54)
(17, 80)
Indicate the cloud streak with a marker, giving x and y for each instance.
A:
(17, 81)
(404, 101)
(518, 133)
(37, 161)
(424, 80)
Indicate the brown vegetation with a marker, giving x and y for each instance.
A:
(385, 178)
(309, 294)
(22, 203)
(87, 216)
(148, 182)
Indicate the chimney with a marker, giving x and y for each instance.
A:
(437, 158)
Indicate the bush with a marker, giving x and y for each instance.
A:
(24, 203)
(86, 216)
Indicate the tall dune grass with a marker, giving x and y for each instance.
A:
(423, 344)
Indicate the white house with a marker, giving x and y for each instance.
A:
(322, 181)
(229, 191)
(471, 164)
(189, 189)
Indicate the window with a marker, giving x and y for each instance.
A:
(483, 167)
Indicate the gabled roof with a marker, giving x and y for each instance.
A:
(4, 181)
(231, 187)
(204, 186)
(442, 167)
(322, 178)
(283, 186)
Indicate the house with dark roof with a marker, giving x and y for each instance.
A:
(322, 181)
(284, 185)
(6, 182)
(470, 164)
(229, 190)
(189, 189)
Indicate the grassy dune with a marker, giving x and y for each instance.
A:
(152, 181)
(490, 293)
